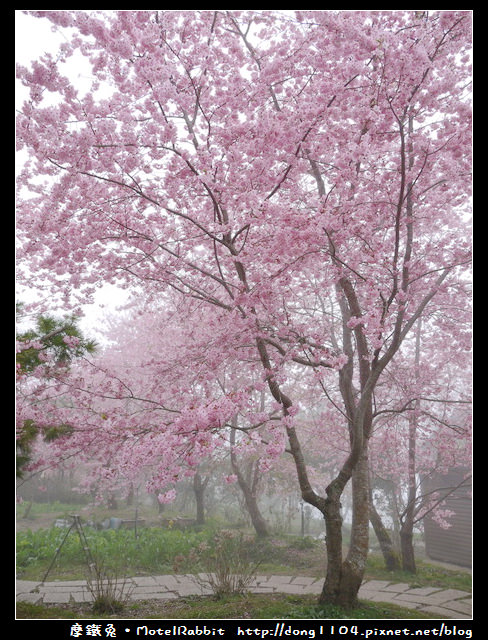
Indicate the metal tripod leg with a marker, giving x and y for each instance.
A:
(84, 544)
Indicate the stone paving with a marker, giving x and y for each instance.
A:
(449, 603)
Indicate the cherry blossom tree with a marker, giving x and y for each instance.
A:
(299, 182)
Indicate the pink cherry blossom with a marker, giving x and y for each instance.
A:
(167, 497)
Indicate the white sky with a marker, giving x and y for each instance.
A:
(33, 38)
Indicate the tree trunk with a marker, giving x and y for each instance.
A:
(344, 578)
(408, 553)
(406, 529)
(199, 486)
(161, 505)
(129, 501)
(248, 488)
(333, 540)
(355, 563)
(390, 557)
(258, 522)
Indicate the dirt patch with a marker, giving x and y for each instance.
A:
(44, 521)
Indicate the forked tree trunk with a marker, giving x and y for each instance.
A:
(344, 578)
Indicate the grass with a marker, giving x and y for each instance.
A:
(152, 551)
(249, 606)
(428, 575)
(157, 551)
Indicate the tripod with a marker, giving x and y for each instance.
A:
(76, 524)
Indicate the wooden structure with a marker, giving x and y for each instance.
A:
(454, 544)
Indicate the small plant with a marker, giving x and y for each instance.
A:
(226, 564)
(110, 593)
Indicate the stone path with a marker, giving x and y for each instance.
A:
(449, 603)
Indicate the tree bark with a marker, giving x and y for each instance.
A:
(258, 522)
(355, 563)
(408, 553)
(406, 526)
(407, 523)
(344, 578)
(390, 557)
(333, 539)
(199, 487)
(129, 501)
(248, 488)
